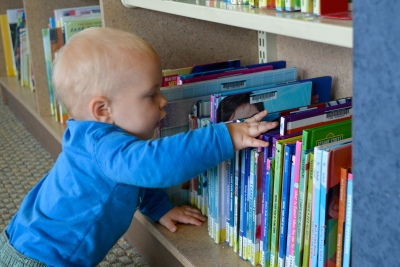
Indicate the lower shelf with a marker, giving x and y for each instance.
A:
(189, 246)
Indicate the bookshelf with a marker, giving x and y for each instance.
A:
(186, 33)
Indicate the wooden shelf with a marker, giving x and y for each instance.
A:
(292, 24)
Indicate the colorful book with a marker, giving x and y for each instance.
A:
(268, 199)
(49, 64)
(56, 42)
(325, 177)
(181, 98)
(74, 11)
(280, 5)
(237, 201)
(71, 27)
(245, 103)
(11, 69)
(317, 117)
(288, 259)
(349, 215)
(307, 223)
(344, 171)
(307, 6)
(258, 199)
(334, 156)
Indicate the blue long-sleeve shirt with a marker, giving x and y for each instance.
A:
(80, 209)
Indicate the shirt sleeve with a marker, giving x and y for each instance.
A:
(163, 162)
(155, 203)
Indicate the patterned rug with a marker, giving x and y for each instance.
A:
(23, 162)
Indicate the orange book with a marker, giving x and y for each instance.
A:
(342, 214)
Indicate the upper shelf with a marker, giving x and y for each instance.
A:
(293, 24)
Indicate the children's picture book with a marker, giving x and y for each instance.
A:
(316, 117)
(307, 223)
(74, 11)
(334, 156)
(349, 215)
(11, 69)
(182, 97)
(344, 171)
(72, 27)
(49, 63)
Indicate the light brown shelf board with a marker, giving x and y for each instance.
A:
(23, 102)
(190, 245)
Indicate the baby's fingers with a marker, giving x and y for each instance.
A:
(257, 117)
(257, 128)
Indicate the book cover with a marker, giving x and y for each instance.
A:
(349, 215)
(231, 201)
(307, 223)
(307, 6)
(334, 156)
(181, 98)
(288, 259)
(258, 199)
(72, 27)
(252, 202)
(14, 18)
(11, 69)
(74, 11)
(315, 118)
(245, 170)
(280, 5)
(344, 171)
(246, 103)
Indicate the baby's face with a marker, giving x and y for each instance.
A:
(138, 108)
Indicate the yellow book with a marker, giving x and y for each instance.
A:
(7, 46)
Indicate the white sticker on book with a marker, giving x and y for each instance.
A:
(233, 85)
(339, 113)
(263, 97)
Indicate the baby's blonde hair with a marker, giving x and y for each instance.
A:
(96, 61)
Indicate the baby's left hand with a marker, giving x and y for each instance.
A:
(184, 214)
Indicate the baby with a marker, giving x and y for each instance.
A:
(109, 81)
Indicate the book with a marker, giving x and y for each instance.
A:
(245, 171)
(258, 199)
(245, 103)
(71, 27)
(182, 97)
(11, 69)
(334, 156)
(14, 17)
(344, 171)
(49, 64)
(307, 6)
(237, 201)
(349, 215)
(307, 223)
(288, 259)
(268, 200)
(277, 194)
(316, 117)
(74, 11)
(280, 5)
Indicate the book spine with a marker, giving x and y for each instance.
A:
(210, 203)
(317, 7)
(267, 210)
(258, 199)
(250, 214)
(232, 202)
(342, 213)
(284, 204)
(290, 5)
(304, 172)
(307, 227)
(322, 207)
(349, 214)
(237, 202)
(228, 209)
(307, 6)
(293, 222)
(280, 5)
(276, 205)
(242, 202)
(315, 209)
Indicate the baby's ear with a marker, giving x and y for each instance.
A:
(100, 109)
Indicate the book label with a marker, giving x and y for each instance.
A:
(262, 97)
(233, 85)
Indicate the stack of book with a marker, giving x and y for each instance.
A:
(284, 205)
(65, 23)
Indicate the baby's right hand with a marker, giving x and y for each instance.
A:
(244, 134)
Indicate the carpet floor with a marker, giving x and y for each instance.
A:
(23, 162)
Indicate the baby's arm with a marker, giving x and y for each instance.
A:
(184, 214)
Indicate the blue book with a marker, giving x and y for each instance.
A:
(268, 190)
(243, 203)
(348, 224)
(287, 166)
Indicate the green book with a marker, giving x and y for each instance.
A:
(72, 27)
(307, 227)
(276, 203)
(48, 62)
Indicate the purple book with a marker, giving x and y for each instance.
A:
(297, 122)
